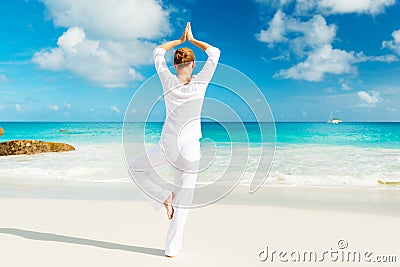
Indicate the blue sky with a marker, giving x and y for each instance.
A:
(72, 60)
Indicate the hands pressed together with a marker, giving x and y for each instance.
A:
(187, 34)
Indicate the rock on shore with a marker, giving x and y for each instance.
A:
(29, 147)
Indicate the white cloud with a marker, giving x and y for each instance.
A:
(318, 63)
(67, 105)
(393, 44)
(18, 108)
(53, 107)
(386, 58)
(275, 3)
(104, 39)
(114, 108)
(345, 87)
(312, 41)
(276, 31)
(105, 63)
(111, 20)
(372, 7)
(305, 6)
(369, 98)
(314, 33)
(3, 77)
(327, 7)
(284, 56)
(311, 33)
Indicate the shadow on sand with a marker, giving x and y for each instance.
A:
(79, 241)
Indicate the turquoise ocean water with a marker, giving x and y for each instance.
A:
(307, 154)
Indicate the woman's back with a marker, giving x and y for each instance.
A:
(184, 102)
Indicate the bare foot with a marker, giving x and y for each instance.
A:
(168, 206)
(171, 256)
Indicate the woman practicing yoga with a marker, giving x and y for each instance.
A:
(179, 145)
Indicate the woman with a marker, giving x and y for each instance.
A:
(179, 145)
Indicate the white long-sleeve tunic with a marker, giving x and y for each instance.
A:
(184, 102)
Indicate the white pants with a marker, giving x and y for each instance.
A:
(185, 175)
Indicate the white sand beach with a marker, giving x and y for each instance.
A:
(95, 232)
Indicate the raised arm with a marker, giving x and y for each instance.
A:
(171, 44)
(213, 54)
(200, 44)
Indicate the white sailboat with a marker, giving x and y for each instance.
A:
(333, 120)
